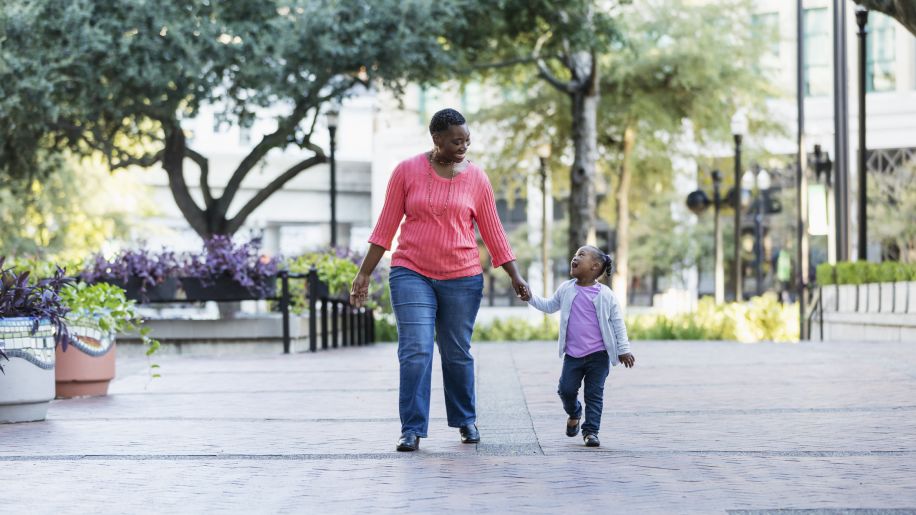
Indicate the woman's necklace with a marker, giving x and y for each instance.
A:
(429, 186)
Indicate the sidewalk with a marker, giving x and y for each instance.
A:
(696, 427)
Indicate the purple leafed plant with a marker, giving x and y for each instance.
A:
(39, 301)
(149, 267)
(244, 263)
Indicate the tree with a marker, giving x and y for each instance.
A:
(672, 64)
(903, 10)
(559, 42)
(118, 78)
(69, 214)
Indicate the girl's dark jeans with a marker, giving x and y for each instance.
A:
(594, 369)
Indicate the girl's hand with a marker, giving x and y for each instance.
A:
(359, 290)
(627, 359)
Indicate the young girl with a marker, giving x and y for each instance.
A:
(592, 337)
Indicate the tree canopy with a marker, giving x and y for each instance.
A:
(119, 77)
(903, 11)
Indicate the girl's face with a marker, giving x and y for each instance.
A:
(585, 265)
(453, 143)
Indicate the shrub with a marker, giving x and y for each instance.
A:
(39, 300)
(825, 274)
(849, 272)
(517, 329)
(244, 263)
(152, 268)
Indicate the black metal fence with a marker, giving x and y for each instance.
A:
(349, 325)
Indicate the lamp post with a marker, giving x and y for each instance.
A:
(697, 202)
(739, 127)
(801, 179)
(862, 21)
(840, 191)
(332, 119)
(543, 156)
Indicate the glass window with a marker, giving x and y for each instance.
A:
(818, 52)
(881, 54)
(767, 26)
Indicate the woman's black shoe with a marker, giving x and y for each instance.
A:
(591, 440)
(469, 434)
(408, 442)
(572, 430)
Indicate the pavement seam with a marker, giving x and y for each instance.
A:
(521, 388)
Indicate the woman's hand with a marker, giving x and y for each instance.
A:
(359, 290)
(521, 288)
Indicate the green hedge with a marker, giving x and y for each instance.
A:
(863, 272)
(762, 319)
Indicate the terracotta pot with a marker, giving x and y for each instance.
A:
(27, 381)
(88, 364)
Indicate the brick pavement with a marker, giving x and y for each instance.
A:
(697, 427)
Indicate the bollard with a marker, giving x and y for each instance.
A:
(284, 308)
(313, 294)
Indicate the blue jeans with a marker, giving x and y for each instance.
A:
(443, 311)
(594, 368)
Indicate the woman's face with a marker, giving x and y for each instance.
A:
(453, 143)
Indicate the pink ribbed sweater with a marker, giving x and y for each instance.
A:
(436, 240)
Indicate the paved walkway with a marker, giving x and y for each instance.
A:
(703, 427)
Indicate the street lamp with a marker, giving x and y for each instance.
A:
(739, 127)
(697, 202)
(861, 21)
(543, 156)
(332, 117)
(758, 179)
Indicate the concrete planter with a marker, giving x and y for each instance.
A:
(874, 297)
(862, 304)
(88, 364)
(27, 384)
(911, 293)
(225, 289)
(830, 297)
(846, 298)
(900, 296)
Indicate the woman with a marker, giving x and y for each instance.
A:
(436, 280)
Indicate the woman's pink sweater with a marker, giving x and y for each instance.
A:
(438, 240)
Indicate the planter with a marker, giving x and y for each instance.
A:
(27, 384)
(226, 289)
(863, 300)
(846, 298)
(164, 291)
(829, 297)
(900, 297)
(887, 297)
(88, 364)
(874, 297)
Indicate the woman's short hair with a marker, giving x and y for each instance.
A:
(444, 119)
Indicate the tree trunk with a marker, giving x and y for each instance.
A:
(622, 252)
(585, 144)
(173, 163)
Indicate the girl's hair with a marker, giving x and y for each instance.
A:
(444, 119)
(607, 267)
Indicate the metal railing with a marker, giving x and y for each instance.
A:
(349, 325)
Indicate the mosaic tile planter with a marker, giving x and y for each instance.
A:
(27, 384)
(88, 364)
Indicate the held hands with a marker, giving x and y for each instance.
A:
(359, 290)
(521, 288)
(627, 359)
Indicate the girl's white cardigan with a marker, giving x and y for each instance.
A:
(610, 317)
